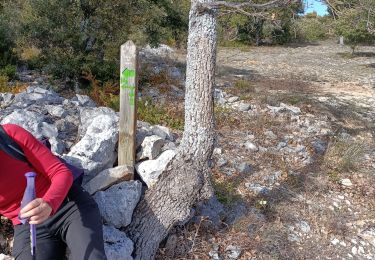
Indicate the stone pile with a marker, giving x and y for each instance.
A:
(87, 136)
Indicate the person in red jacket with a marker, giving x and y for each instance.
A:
(64, 214)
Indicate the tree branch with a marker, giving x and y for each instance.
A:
(248, 4)
(240, 7)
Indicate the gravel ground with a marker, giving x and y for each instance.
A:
(295, 171)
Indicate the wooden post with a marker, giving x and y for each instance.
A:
(341, 41)
(128, 104)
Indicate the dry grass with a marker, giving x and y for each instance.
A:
(5, 87)
(344, 155)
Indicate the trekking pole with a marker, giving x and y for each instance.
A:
(28, 196)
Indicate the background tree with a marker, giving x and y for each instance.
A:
(355, 20)
(272, 25)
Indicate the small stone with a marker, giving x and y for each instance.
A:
(163, 132)
(214, 255)
(293, 109)
(233, 99)
(262, 149)
(341, 197)
(281, 145)
(270, 135)
(346, 182)
(222, 162)
(304, 226)
(273, 178)
(257, 188)
(252, 147)
(335, 241)
(354, 250)
(150, 170)
(218, 151)
(233, 252)
(250, 137)
(83, 100)
(108, 178)
(244, 107)
(294, 238)
(336, 205)
(151, 147)
(244, 168)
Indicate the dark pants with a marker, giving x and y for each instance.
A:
(76, 225)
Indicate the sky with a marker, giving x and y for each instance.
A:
(317, 6)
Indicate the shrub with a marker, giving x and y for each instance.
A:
(6, 44)
(9, 71)
(311, 29)
(6, 88)
(226, 191)
(30, 56)
(156, 114)
(3, 83)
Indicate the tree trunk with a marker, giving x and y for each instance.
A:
(186, 179)
(258, 30)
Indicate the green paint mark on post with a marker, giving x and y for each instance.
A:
(125, 76)
(125, 83)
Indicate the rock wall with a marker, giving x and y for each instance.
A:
(87, 136)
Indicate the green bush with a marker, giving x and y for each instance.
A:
(353, 25)
(81, 37)
(9, 71)
(7, 55)
(311, 29)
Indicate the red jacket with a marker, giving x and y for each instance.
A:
(53, 179)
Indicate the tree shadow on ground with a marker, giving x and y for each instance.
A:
(348, 117)
(301, 44)
(367, 54)
(230, 71)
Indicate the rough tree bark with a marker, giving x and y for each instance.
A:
(186, 179)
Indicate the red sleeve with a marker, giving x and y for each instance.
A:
(44, 162)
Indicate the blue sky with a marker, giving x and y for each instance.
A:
(314, 5)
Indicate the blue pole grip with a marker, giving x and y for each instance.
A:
(28, 196)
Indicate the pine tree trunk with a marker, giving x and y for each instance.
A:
(186, 179)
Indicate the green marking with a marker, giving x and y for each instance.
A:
(125, 84)
(124, 79)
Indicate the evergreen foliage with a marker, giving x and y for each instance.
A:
(75, 37)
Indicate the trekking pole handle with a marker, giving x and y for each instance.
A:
(28, 196)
